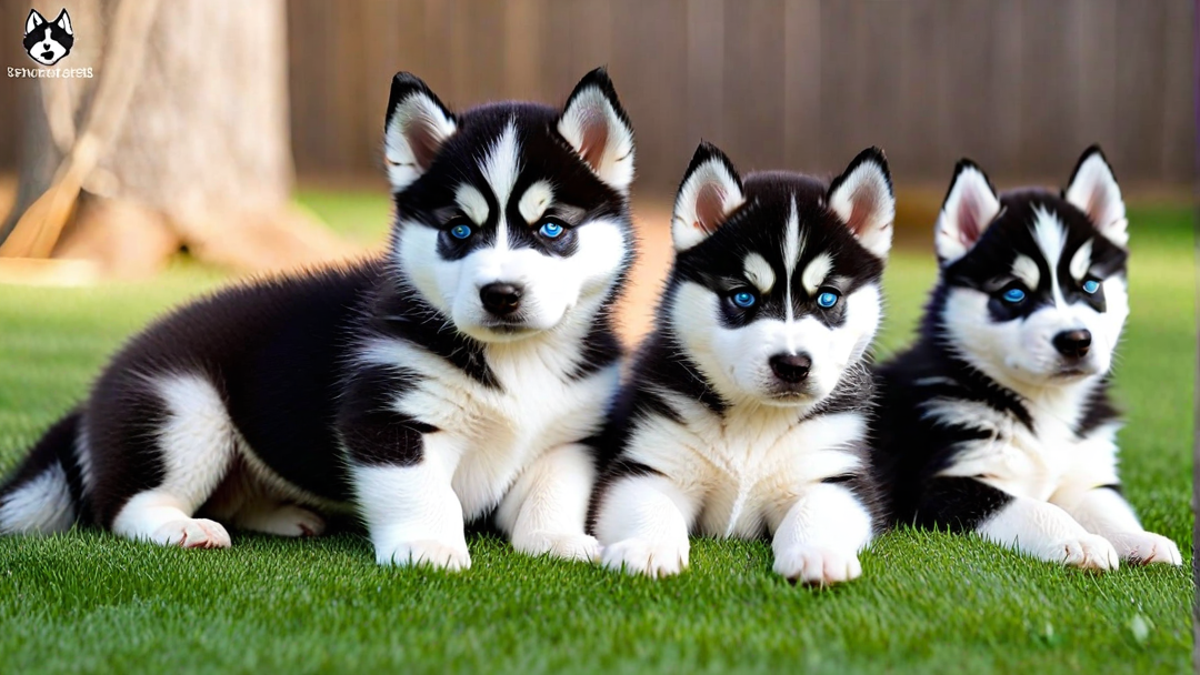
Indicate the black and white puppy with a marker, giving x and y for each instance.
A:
(998, 419)
(47, 42)
(747, 411)
(452, 380)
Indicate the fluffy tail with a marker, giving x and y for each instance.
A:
(42, 495)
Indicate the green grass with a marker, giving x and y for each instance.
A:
(926, 603)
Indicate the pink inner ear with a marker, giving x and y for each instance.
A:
(710, 207)
(1097, 207)
(424, 141)
(863, 203)
(594, 137)
(968, 219)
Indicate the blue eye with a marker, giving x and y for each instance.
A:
(460, 231)
(551, 230)
(827, 299)
(1014, 295)
(744, 299)
(1091, 286)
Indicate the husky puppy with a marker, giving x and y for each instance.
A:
(998, 419)
(747, 410)
(454, 379)
(48, 42)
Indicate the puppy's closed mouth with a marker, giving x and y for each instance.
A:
(507, 327)
(787, 398)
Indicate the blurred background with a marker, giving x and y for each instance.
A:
(1021, 86)
(220, 138)
(247, 134)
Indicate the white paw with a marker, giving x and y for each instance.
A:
(579, 547)
(639, 556)
(817, 566)
(425, 552)
(288, 520)
(1143, 548)
(192, 533)
(1089, 552)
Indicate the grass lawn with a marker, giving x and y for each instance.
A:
(926, 602)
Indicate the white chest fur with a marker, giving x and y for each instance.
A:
(489, 435)
(748, 466)
(1035, 462)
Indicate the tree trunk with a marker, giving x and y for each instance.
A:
(201, 158)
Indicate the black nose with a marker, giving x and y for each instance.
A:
(1073, 343)
(500, 299)
(791, 368)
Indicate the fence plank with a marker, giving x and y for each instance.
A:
(802, 128)
(705, 112)
(649, 65)
(753, 101)
(1020, 85)
(1178, 136)
(1140, 81)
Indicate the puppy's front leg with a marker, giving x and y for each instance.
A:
(411, 512)
(401, 473)
(1045, 531)
(546, 509)
(819, 538)
(1033, 527)
(643, 524)
(1105, 512)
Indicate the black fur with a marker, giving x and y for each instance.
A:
(1097, 411)
(56, 447)
(276, 351)
(987, 267)
(959, 504)
(912, 447)
(283, 353)
(717, 263)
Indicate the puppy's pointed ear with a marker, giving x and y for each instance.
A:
(1093, 189)
(711, 190)
(862, 196)
(596, 126)
(970, 206)
(64, 22)
(33, 21)
(417, 125)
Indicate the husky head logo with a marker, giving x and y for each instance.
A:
(776, 286)
(1033, 288)
(48, 42)
(512, 218)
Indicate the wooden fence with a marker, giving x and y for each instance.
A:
(1022, 86)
